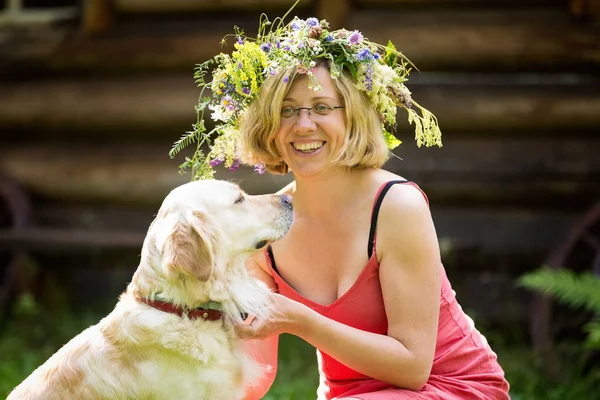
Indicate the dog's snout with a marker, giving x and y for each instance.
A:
(286, 200)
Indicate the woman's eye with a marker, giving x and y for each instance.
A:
(287, 111)
(322, 108)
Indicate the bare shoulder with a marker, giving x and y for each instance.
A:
(405, 218)
(404, 199)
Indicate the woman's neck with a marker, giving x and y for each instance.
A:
(328, 193)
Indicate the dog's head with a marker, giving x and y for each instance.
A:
(204, 224)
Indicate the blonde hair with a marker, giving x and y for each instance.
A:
(364, 147)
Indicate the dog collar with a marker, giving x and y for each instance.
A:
(210, 311)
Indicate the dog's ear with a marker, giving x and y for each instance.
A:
(189, 248)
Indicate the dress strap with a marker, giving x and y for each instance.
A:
(376, 205)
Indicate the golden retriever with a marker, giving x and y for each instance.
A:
(171, 333)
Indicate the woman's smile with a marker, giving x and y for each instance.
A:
(308, 148)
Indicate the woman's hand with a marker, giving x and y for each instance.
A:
(285, 317)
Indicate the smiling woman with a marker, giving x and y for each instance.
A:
(359, 274)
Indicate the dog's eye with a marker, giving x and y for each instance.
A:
(240, 199)
(261, 244)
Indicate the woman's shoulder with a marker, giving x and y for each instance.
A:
(402, 202)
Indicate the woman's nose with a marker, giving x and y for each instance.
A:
(304, 121)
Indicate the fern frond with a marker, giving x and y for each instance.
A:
(593, 330)
(576, 290)
(185, 140)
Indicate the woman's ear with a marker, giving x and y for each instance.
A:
(189, 248)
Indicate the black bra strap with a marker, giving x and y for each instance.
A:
(376, 207)
(272, 257)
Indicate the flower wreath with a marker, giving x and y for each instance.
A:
(379, 71)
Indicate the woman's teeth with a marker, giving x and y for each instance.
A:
(308, 147)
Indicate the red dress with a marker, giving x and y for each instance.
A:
(464, 366)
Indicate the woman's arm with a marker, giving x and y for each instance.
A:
(410, 282)
(264, 351)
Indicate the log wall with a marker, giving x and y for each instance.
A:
(90, 110)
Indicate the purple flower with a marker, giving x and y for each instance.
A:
(355, 38)
(278, 44)
(369, 77)
(240, 40)
(259, 168)
(286, 79)
(312, 21)
(296, 25)
(265, 47)
(228, 103)
(240, 65)
(328, 38)
(235, 165)
(215, 161)
(245, 90)
(376, 56)
(364, 55)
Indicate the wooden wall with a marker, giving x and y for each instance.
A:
(91, 108)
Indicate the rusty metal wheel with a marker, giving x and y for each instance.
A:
(579, 252)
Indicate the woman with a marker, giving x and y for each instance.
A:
(359, 274)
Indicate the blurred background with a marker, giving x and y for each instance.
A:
(93, 93)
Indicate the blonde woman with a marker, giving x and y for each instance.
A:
(359, 274)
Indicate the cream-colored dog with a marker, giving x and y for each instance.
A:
(171, 334)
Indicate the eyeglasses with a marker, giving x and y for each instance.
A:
(321, 109)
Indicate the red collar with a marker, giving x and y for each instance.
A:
(196, 313)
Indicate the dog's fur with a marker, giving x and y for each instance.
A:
(194, 252)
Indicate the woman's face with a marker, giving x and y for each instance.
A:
(308, 140)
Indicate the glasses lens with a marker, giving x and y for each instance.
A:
(287, 112)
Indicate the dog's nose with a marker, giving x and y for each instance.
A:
(286, 199)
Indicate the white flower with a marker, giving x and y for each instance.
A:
(219, 113)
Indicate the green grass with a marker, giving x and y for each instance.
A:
(32, 336)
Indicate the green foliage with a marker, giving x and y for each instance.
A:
(32, 336)
(575, 290)
(297, 373)
(527, 381)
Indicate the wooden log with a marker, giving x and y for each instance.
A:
(585, 9)
(456, 3)
(97, 16)
(143, 6)
(467, 39)
(466, 171)
(162, 106)
(61, 240)
(334, 11)
(509, 233)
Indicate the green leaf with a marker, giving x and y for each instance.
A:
(185, 140)
(202, 103)
(351, 68)
(391, 141)
(390, 56)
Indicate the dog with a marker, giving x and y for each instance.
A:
(170, 335)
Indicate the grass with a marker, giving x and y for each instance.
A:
(32, 335)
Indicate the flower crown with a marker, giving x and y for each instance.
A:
(379, 71)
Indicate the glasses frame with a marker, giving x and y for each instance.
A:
(309, 109)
